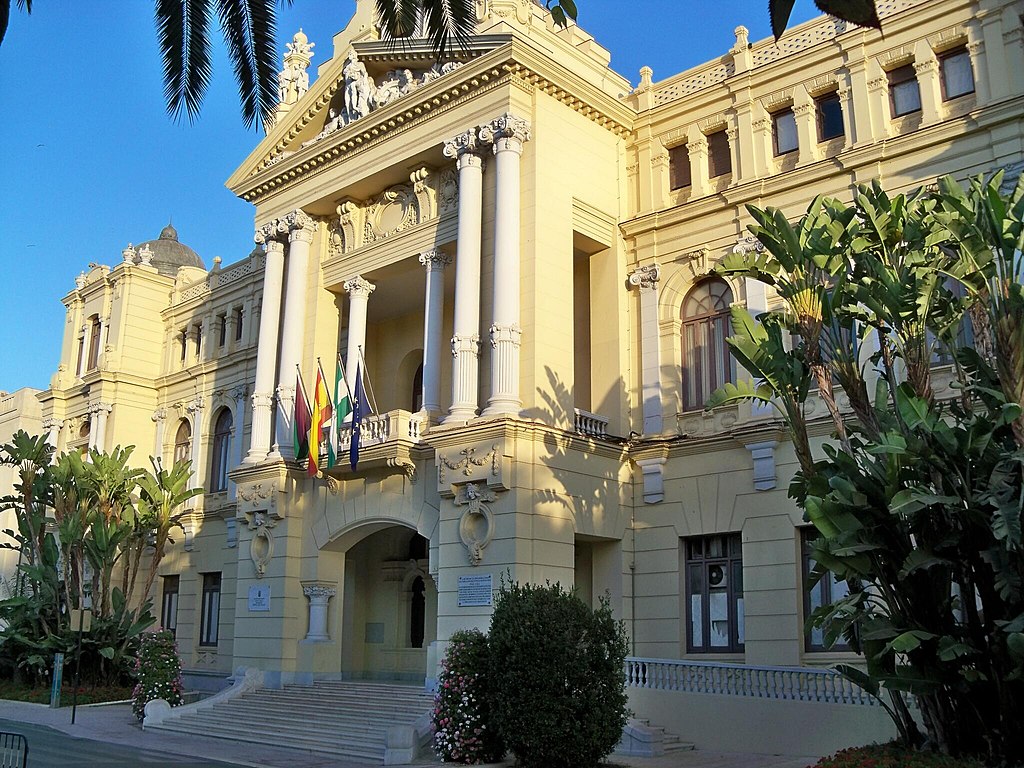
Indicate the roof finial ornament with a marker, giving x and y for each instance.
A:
(293, 80)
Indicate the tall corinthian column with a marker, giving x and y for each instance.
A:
(300, 228)
(433, 316)
(508, 133)
(266, 355)
(359, 291)
(466, 336)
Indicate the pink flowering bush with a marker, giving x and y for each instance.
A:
(463, 731)
(158, 671)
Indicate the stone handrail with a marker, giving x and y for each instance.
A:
(384, 427)
(790, 683)
(592, 424)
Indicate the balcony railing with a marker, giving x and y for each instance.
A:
(590, 424)
(383, 428)
(788, 683)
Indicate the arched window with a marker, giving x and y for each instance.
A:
(707, 364)
(221, 451)
(417, 389)
(183, 442)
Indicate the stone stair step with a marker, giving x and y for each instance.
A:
(342, 747)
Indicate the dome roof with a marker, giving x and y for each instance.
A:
(169, 254)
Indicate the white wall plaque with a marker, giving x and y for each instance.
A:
(476, 590)
(259, 597)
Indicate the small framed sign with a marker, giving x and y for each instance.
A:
(476, 591)
(259, 597)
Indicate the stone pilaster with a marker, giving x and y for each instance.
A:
(319, 595)
(645, 280)
(508, 134)
(465, 149)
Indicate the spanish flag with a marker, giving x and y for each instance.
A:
(319, 428)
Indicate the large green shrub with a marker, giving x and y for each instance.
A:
(158, 670)
(556, 669)
(464, 731)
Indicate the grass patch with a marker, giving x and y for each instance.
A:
(87, 694)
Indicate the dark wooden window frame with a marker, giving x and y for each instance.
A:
(706, 320)
(777, 149)
(824, 588)
(821, 118)
(899, 77)
(729, 565)
(680, 174)
(719, 154)
(944, 58)
(209, 616)
(169, 603)
(221, 453)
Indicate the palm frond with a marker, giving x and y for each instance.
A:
(449, 24)
(249, 28)
(183, 32)
(397, 18)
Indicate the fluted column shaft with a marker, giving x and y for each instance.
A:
(266, 359)
(433, 340)
(198, 470)
(466, 332)
(508, 133)
(359, 291)
(645, 279)
(239, 394)
(301, 228)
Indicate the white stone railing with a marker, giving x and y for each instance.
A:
(591, 424)
(790, 683)
(384, 427)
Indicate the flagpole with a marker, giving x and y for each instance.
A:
(366, 380)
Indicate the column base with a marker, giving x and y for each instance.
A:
(254, 458)
(459, 416)
(510, 408)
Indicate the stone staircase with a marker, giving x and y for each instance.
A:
(641, 739)
(348, 720)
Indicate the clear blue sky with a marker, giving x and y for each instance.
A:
(90, 159)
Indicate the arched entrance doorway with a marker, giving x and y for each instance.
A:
(389, 616)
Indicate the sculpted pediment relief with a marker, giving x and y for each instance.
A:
(428, 195)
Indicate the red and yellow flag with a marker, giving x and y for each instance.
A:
(322, 418)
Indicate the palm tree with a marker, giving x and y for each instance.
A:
(249, 29)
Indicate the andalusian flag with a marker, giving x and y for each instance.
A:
(301, 419)
(342, 397)
(323, 416)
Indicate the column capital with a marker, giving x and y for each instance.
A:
(466, 142)
(240, 393)
(318, 590)
(160, 414)
(357, 286)
(646, 276)
(507, 132)
(435, 260)
(301, 225)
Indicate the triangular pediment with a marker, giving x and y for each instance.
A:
(371, 76)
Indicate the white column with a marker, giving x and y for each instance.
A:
(198, 470)
(52, 427)
(266, 357)
(160, 419)
(466, 336)
(319, 595)
(433, 316)
(757, 304)
(93, 427)
(646, 280)
(301, 228)
(508, 133)
(100, 425)
(359, 291)
(239, 394)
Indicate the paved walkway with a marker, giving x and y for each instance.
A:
(124, 743)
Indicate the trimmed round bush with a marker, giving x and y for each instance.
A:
(463, 731)
(158, 671)
(556, 670)
(893, 755)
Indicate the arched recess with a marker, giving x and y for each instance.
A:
(386, 599)
(407, 380)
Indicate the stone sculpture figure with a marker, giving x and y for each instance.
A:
(358, 88)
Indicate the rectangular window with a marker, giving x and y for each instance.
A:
(829, 111)
(222, 329)
(81, 355)
(199, 340)
(238, 323)
(714, 594)
(904, 93)
(183, 340)
(169, 604)
(825, 592)
(94, 344)
(210, 617)
(784, 132)
(957, 75)
(719, 159)
(679, 167)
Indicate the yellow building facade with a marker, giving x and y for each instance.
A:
(515, 249)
